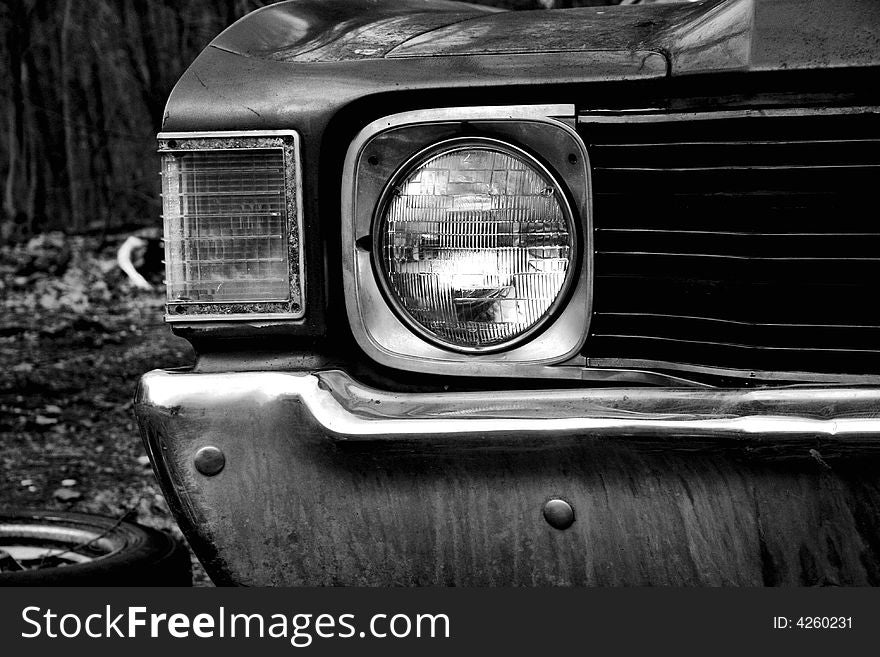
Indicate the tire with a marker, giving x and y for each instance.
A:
(76, 549)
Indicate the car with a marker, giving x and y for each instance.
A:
(479, 297)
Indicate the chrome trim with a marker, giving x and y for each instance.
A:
(219, 134)
(298, 190)
(556, 111)
(758, 376)
(635, 377)
(232, 317)
(378, 330)
(643, 116)
(450, 146)
(345, 410)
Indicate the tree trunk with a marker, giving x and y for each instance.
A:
(15, 35)
(76, 220)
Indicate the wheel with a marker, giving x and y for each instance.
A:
(47, 548)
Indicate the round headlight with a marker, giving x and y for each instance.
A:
(475, 244)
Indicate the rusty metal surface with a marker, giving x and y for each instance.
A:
(322, 31)
(294, 63)
(713, 35)
(660, 28)
(329, 482)
(222, 90)
(813, 35)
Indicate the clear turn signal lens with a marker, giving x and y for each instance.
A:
(225, 225)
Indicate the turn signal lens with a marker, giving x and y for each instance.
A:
(225, 225)
(475, 245)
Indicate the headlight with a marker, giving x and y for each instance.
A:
(475, 244)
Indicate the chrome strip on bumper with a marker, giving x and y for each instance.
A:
(349, 411)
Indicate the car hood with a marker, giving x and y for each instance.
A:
(707, 36)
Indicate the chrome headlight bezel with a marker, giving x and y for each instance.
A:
(381, 150)
(379, 216)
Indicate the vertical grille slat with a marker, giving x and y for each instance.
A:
(745, 243)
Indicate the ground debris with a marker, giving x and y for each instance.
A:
(67, 375)
(66, 494)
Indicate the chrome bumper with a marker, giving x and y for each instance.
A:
(327, 481)
(346, 410)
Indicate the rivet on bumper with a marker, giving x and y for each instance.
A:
(209, 461)
(559, 514)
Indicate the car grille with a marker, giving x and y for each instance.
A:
(748, 242)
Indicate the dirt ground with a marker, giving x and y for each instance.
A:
(72, 347)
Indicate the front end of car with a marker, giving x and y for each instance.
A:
(480, 298)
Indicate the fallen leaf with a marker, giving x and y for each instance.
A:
(66, 495)
(42, 420)
(68, 482)
(143, 459)
(52, 409)
(48, 302)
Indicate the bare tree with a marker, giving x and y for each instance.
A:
(73, 173)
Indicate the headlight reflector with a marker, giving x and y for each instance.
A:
(475, 244)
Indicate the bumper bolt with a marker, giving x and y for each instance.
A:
(209, 461)
(559, 514)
